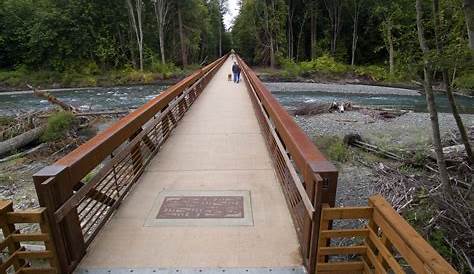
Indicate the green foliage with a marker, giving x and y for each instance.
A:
(377, 73)
(324, 64)
(419, 216)
(290, 67)
(90, 37)
(6, 120)
(89, 176)
(334, 148)
(167, 70)
(327, 64)
(436, 239)
(465, 82)
(5, 179)
(58, 124)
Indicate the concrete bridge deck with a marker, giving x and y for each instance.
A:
(216, 150)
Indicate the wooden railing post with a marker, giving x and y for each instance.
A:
(314, 223)
(8, 229)
(67, 234)
(323, 225)
(45, 227)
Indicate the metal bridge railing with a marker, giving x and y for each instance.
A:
(307, 178)
(83, 189)
(309, 184)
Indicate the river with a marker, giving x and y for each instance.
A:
(97, 99)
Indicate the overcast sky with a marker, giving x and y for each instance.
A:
(232, 13)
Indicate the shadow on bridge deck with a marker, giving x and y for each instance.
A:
(216, 151)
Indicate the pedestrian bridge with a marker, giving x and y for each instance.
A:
(209, 177)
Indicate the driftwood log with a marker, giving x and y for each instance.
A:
(22, 154)
(53, 100)
(98, 113)
(21, 140)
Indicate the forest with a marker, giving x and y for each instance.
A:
(81, 42)
(374, 38)
(74, 41)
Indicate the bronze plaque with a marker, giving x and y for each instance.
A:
(201, 207)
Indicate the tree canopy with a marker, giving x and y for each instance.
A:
(370, 32)
(61, 35)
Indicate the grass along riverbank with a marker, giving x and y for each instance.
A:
(90, 76)
(326, 69)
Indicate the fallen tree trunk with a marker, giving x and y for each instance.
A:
(98, 113)
(53, 100)
(22, 154)
(21, 140)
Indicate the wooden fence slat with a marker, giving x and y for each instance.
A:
(31, 237)
(340, 266)
(17, 256)
(34, 254)
(385, 253)
(387, 232)
(347, 213)
(379, 269)
(421, 255)
(404, 249)
(342, 250)
(25, 217)
(8, 228)
(341, 233)
(367, 269)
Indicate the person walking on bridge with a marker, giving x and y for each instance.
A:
(236, 71)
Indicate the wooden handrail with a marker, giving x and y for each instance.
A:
(387, 232)
(406, 240)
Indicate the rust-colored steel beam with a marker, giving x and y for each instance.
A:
(306, 155)
(124, 149)
(90, 154)
(285, 138)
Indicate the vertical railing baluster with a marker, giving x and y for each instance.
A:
(114, 172)
(136, 154)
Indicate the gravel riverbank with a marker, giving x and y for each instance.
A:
(409, 130)
(338, 88)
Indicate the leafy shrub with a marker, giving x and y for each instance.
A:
(334, 148)
(90, 68)
(13, 77)
(436, 239)
(465, 81)
(338, 152)
(328, 64)
(323, 64)
(58, 124)
(290, 67)
(375, 72)
(167, 70)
